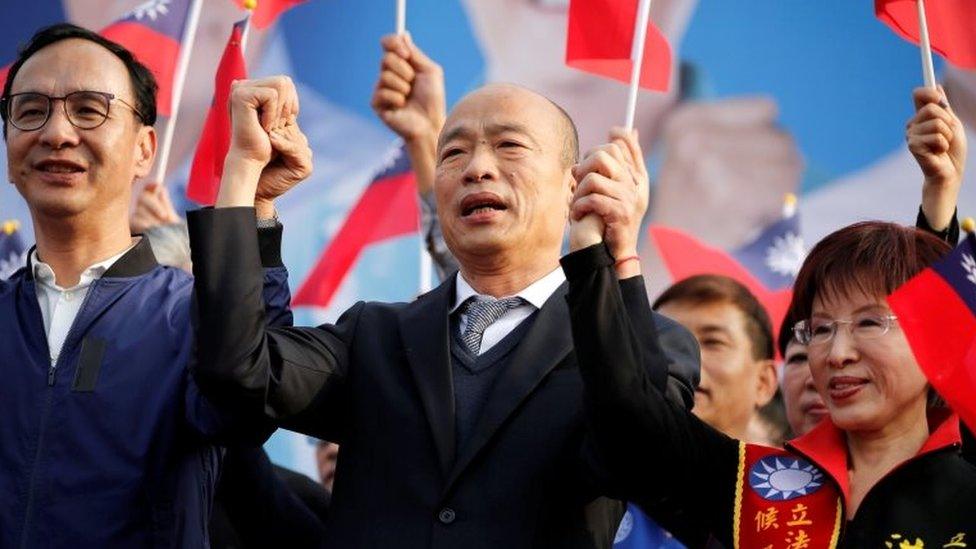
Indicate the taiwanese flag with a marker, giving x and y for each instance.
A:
(12, 251)
(153, 32)
(387, 209)
(600, 41)
(767, 266)
(951, 23)
(267, 11)
(937, 311)
(208, 160)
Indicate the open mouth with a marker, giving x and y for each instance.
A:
(58, 167)
(481, 203)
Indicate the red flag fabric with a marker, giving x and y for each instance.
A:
(937, 312)
(951, 23)
(267, 11)
(387, 209)
(685, 256)
(208, 160)
(600, 41)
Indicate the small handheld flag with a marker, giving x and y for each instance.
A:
(937, 312)
(208, 160)
(616, 39)
(946, 24)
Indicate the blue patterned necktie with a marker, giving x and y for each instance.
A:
(483, 312)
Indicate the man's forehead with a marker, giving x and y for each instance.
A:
(71, 65)
(501, 107)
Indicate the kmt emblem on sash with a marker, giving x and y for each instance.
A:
(780, 478)
(783, 501)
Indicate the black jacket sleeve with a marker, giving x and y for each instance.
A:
(241, 365)
(950, 234)
(680, 349)
(256, 507)
(656, 453)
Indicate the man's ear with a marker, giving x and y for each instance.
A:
(767, 382)
(145, 151)
(571, 185)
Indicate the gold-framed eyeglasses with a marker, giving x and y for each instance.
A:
(820, 331)
(85, 110)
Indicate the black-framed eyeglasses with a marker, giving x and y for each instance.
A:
(86, 110)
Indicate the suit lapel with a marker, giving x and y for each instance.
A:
(423, 325)
(548, 341)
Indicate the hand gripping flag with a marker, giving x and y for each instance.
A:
(153, 32)
(208, 160)
(767, 266)
(387, 209)
(937, 312)
(600, 41)
(951, 23)
(267, 11)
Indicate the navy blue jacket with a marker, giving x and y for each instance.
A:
(114, 447)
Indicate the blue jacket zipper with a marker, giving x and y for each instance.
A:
(46, 412)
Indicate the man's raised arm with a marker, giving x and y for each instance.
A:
(240, 364)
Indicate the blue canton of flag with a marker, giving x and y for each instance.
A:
(12, 252)
(638, 531)
(775, 256)
(166, 17)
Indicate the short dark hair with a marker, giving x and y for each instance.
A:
(707, 289)
(786, 332)
(143, 82)
(873, 257)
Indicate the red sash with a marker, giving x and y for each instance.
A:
(783, 501)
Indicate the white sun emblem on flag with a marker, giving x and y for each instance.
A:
(151, 9)
(969, 265)
(784, 478)
(786, 255)
(10, 264)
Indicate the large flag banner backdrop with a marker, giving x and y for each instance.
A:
(780, 80)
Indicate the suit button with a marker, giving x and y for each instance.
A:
(446, 515)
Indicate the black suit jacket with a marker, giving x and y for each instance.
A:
(379, 383)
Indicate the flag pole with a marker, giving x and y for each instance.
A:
(426, 263)
(182, 66)
(928, 69)
(637, 57)
(401, 16)
(249, 5)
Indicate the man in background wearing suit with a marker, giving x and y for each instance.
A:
(459, 414)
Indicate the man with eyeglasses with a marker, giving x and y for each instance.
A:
(105, 439)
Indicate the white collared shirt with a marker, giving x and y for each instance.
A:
(534, 296)
(60, 306)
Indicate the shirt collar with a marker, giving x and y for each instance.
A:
(44, 274)
(536, 294)
(826, 445)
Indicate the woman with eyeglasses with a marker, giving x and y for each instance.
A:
(883, 470)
